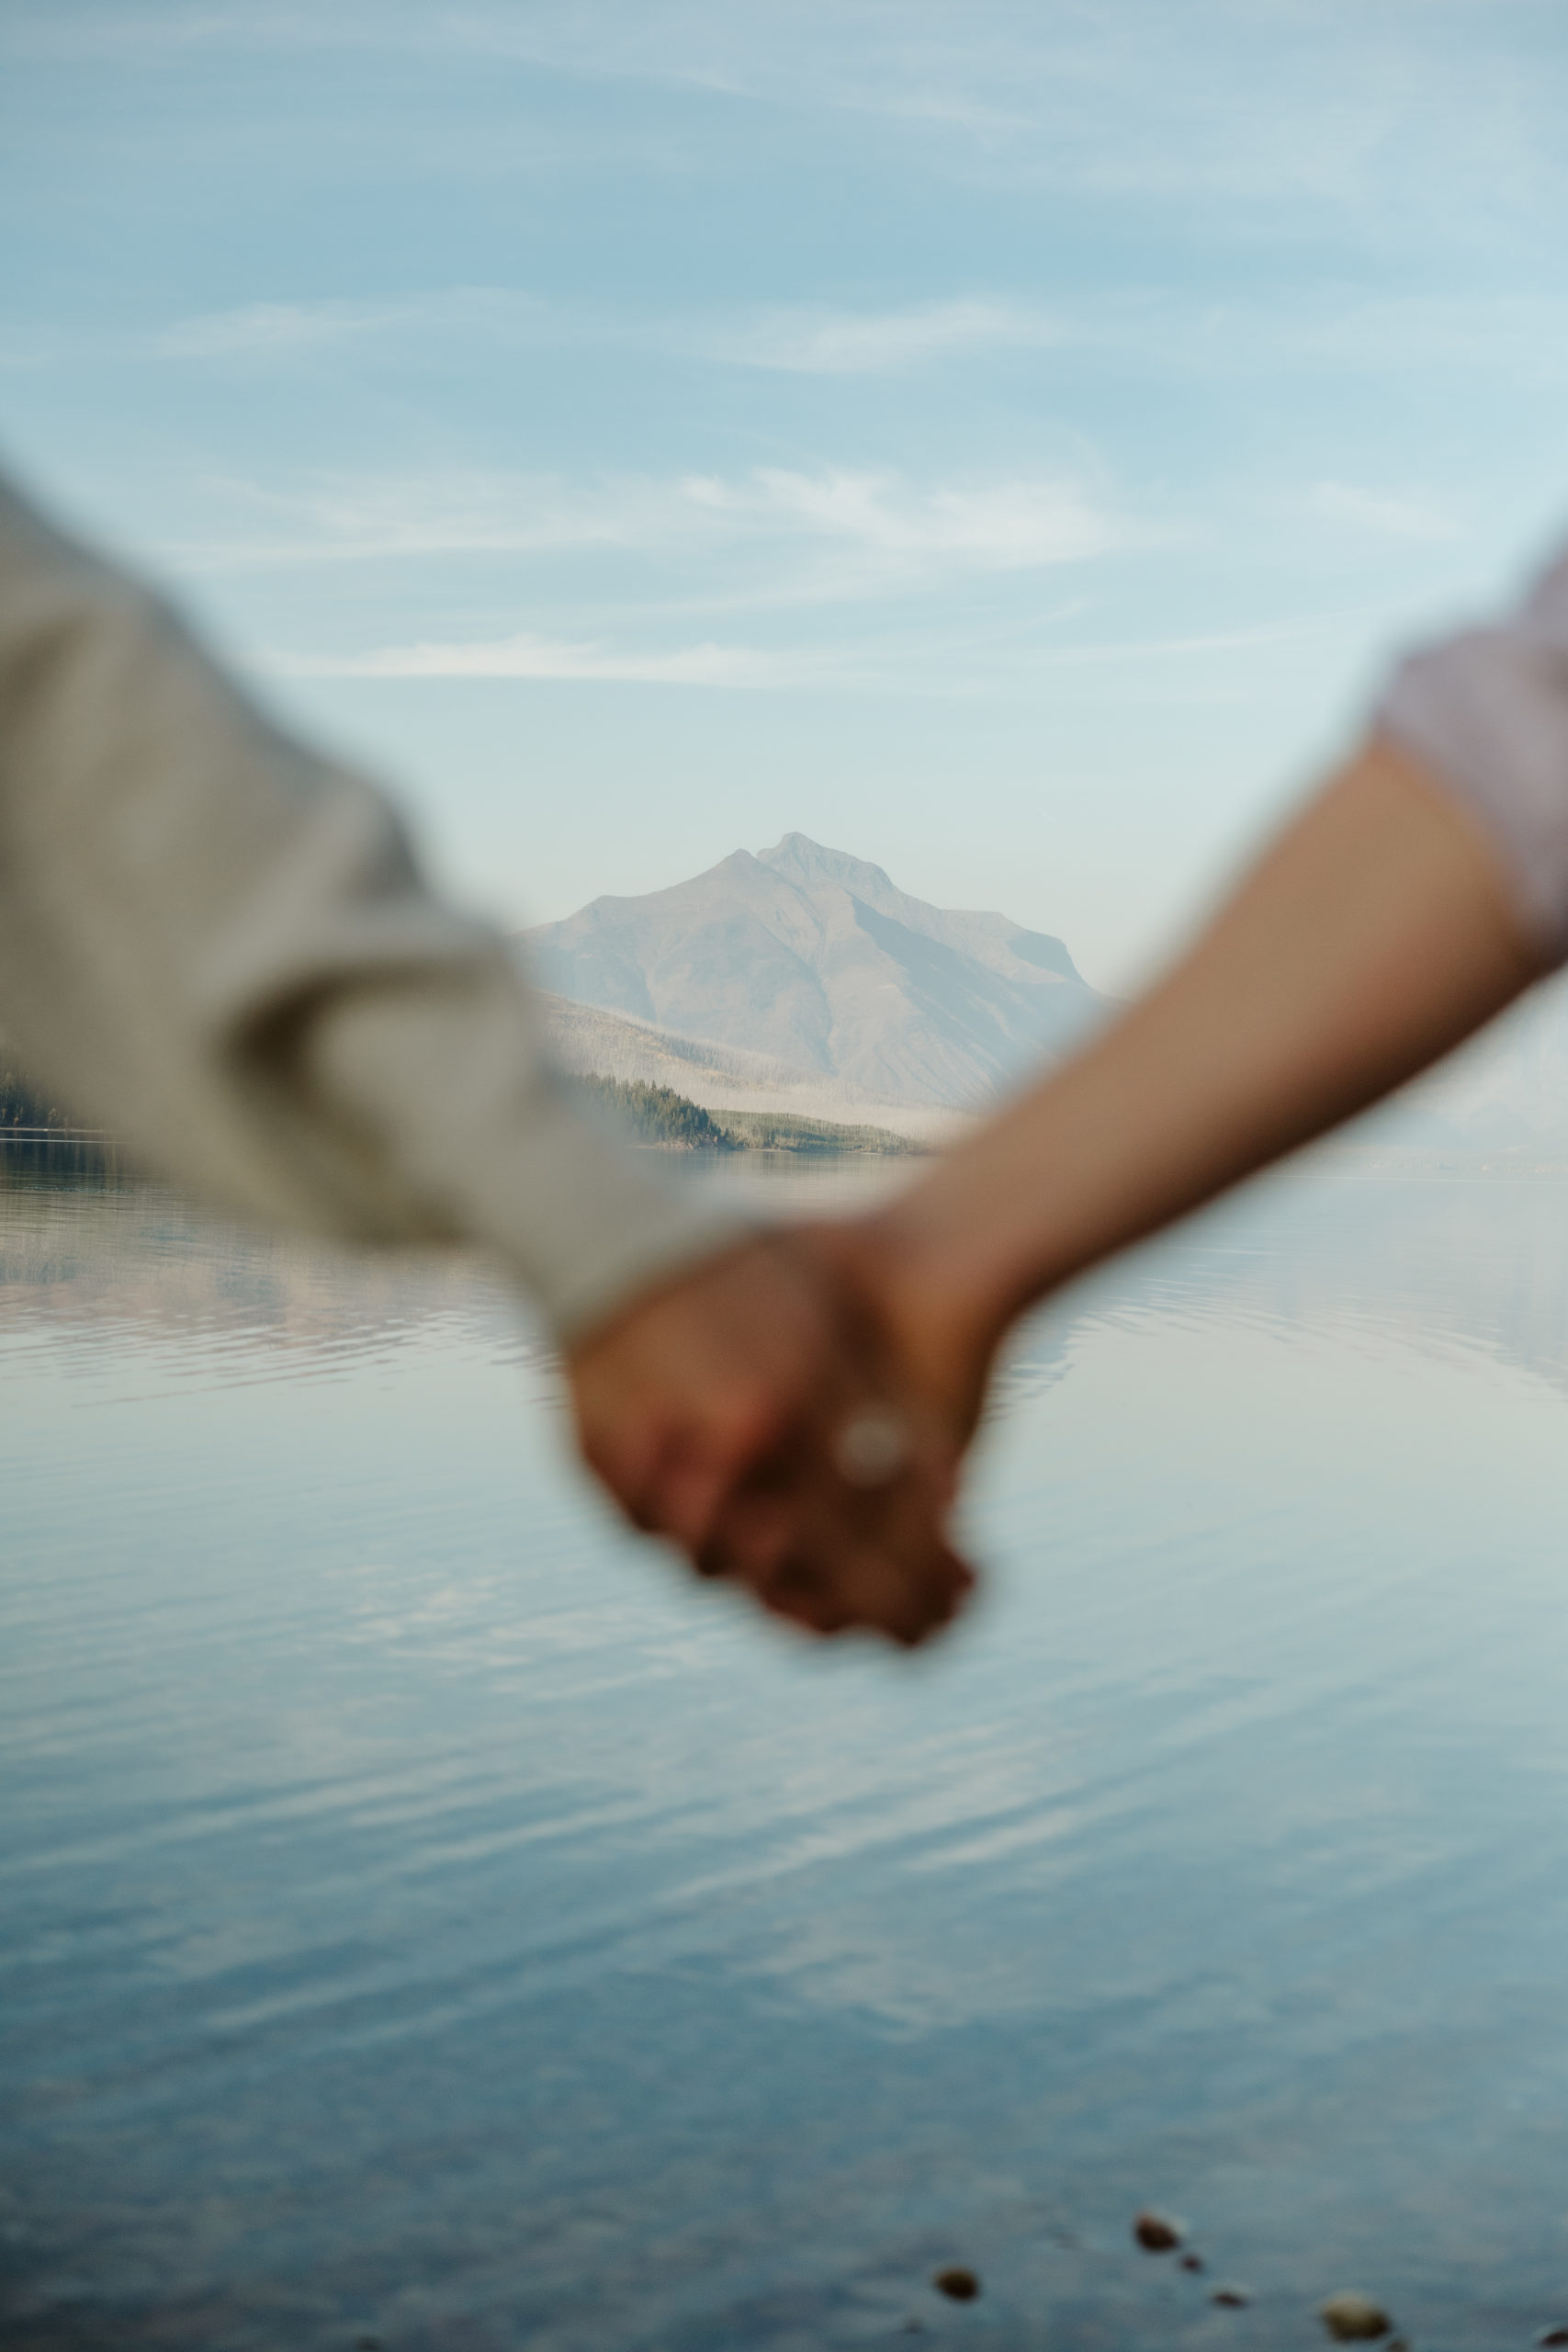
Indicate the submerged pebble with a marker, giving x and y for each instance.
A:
(1355, 2319)
(1232, 2299)
(1192, 2261)
(961, 2285)
(1156, 2233)
(1553, 2336)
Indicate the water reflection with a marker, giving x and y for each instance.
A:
(427, 1917)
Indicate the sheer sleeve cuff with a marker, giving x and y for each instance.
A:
(1486, 713)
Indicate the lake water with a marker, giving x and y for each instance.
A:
(428, 1918)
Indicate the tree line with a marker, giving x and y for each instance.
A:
(658, 1114)
(20, 1108)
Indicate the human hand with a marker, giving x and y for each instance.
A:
(742, 1411)
(936, 1337)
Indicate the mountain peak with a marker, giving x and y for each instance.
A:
(818, 960)
(804, 860)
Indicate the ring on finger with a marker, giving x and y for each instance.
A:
(872, 1447)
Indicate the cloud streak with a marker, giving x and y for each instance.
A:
(1391, 106)
(781, 338)
(282, 331)
(947, 663)
(1520, 337)
(544, 658)
(1387, 516)
(795, 534)
(902, 534)
(824, 342)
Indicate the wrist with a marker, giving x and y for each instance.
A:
(944, 1304)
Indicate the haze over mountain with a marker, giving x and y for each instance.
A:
(817, 960)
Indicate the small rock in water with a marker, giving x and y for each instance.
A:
(1191, 2262)
(1355, 2319)
(960, 2285)
(1553, 2336)
(1232, 2299)
(1156, 2233)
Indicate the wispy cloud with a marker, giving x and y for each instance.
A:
(272, 331)
(527, 656)
(1521, 337)
(381, 520)
(808, 342)
(902, 534)
(1369, 108)
(785, 338)
(949, 662)
(1389, 516)
(791, 533)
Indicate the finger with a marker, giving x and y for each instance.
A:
(689, 1495)
(861, 1589)
(702, 1468)
(906, 1602)
(749, 1537)
(622, 1451)
(931, 1580)
(900, 1572)
(797, 1593)
(884, 1563)
(909, 1578)
(836, 1535)
(666, 1478)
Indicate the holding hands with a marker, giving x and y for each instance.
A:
(793, 1413)
(755, 1412)
(218, 942)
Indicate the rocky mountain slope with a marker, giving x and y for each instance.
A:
(592, 1042)
(817, 961)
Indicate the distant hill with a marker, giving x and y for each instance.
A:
(816, 962)
(726, 1078)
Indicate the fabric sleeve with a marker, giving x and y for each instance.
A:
(1486, 713)
(218, 946)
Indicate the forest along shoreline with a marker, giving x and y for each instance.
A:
(662, 1120)
(40, 1139)
(656, 1117)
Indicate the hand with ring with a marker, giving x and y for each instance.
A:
(743, 1411)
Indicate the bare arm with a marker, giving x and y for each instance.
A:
(1375, 934)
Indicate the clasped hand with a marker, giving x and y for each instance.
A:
(758, 1413)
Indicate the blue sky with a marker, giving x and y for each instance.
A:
(1002, 442)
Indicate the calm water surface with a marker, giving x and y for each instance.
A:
(427, 1918)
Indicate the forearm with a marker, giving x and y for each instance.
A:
(1373, 936)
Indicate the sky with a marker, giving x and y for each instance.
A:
(1006, 443)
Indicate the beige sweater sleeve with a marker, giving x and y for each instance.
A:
(217, 944)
